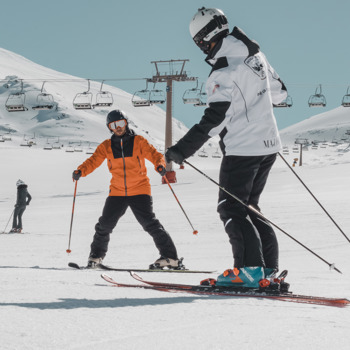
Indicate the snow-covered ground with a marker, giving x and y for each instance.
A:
(46, 305)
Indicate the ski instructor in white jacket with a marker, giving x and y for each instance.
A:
(241, 90)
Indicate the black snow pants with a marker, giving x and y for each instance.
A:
(253, 241)
(17, 216)
(142, 207)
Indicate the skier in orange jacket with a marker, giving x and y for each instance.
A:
(130, 187)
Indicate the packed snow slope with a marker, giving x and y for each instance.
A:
(46, 305)
(332, 126)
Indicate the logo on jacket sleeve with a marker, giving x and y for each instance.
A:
(256, 65)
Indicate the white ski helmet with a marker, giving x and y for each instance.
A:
(207, 26)
(20, 182)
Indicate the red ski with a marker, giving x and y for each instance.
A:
(222, 291)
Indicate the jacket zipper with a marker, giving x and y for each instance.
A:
(121, 146)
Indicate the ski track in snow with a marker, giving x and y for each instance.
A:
(46, 305)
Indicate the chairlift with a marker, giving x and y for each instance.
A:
(142, 98)
(288, 102)
(48, 145)
(203, 154)
(44, 101)
(191, 96)
(103, 98)
(285, 150)
(83, 100)
(15, 101)
(317, 100)
(157, 97)
(90, 150)
(202, 95)
(216, 154)
(346, 99)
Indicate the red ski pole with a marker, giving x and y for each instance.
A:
(166, 180)
(71, 221)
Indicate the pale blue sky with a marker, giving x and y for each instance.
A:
(306, 41)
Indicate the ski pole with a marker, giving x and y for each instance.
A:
(71, 221)
(166, 180)
(314, 198)
(262, 217)
(9, 220)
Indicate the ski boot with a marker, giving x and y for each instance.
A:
(168, 263)
(93, 263)
(244, 277)
(13, 230)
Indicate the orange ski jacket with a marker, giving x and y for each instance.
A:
(126, 162)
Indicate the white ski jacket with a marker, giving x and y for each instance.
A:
(241, 90)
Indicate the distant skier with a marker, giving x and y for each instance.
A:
(242, 88)
(126, 153)
(23, 199)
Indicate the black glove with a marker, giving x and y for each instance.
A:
(173, 154)
(27, 203)
(76, 175)
(161, 170)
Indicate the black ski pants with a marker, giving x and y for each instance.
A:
(17, 216)
(253, 241)
(142, 207)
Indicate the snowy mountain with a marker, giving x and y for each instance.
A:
(63, 121)
(331, 126)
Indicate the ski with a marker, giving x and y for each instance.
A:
(227, 292)
(109, 268)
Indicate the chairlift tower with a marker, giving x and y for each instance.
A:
(168, 77)
(301, 142)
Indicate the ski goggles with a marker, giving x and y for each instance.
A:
(119, 123)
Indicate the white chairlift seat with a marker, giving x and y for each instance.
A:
(288, 102)
(141, 98)
(346, 99)
(203, 154)
(83, 101)
(103, 99)
(15, 102)
(317, 100)
(157, 97)
(216, 154)
(191, 96)
(44, 102)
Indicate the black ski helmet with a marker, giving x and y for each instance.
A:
(115, 115)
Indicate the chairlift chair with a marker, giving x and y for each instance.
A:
(103, 98)
(15, 101)
(216, 154)
(317, 100)
(202, 95)
(157, 97)
(191, 96)
(44, 101)
(141, 98)
(203, 154)
(346, 99)
(83, 100)
(288, 102)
